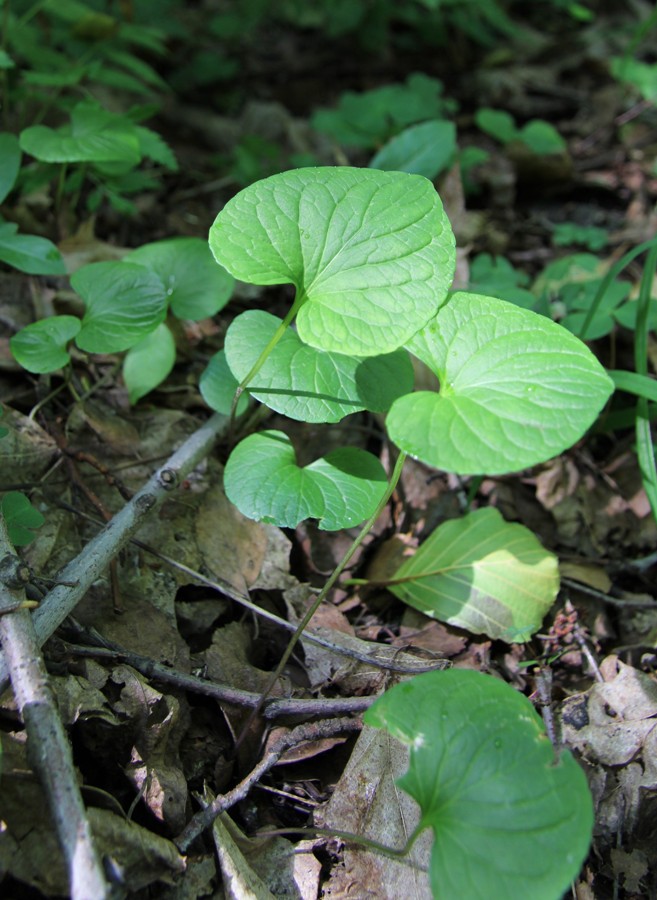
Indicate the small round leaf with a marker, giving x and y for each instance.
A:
(124, 303)
(264, 482)
(371, 253)
(308, 384)
(424, 149)
(510, 820)
(149, 362)
(196, 286)
(515, 389)
(41, 346)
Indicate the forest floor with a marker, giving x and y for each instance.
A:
(146, 750)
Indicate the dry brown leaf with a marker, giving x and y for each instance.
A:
(231, 545)
(159, 722)
(26, 451)
(367, 802)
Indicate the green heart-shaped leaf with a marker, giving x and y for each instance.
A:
(264, 482)
(482, 574)
(308, 384)
(94, 135)
(515, 389)
(124, 303)
(509, 820)
(149, 362)
(197, 287)
(424, 149)
(371, 253)
(41, 346)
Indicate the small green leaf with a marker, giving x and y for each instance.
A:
(196, 286)
(124, 303)
(424, 149)
(542, 138)
(148, 362)
(28, 252)
(10, 162)
(218, 385)
(264, 482)
(359, 245)
(93, 135)
(509, 820)
(41, 346)
(308, 384)
(515, 389)
(482, 574)
(20, 517)
(494, 276)
(497, 123)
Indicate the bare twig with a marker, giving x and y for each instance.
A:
(309, 732)
(48, 749)
(226, 588)
(90, 563)
(274, 708)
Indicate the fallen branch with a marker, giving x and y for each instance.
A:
(77, 577)
(48, 749)
(223, 693)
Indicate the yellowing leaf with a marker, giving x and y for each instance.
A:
(483, 574)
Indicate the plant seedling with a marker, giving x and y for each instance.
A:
(126, 306)
(371, 257)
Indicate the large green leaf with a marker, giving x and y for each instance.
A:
(424, 149)
(482, 574)
(124, 303)
(264, 482)
(515, 389)
(93, 135)
(10, 162)
(196, 285)
(41, 346)
(308, 384)
(510, 821)
(148, 362)
(29, 252)
(371, 253)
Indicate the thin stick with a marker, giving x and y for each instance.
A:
(225, 587)
(324, 707)
(312, 609)
(309, 732)
(49, 752)
(91, 562)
